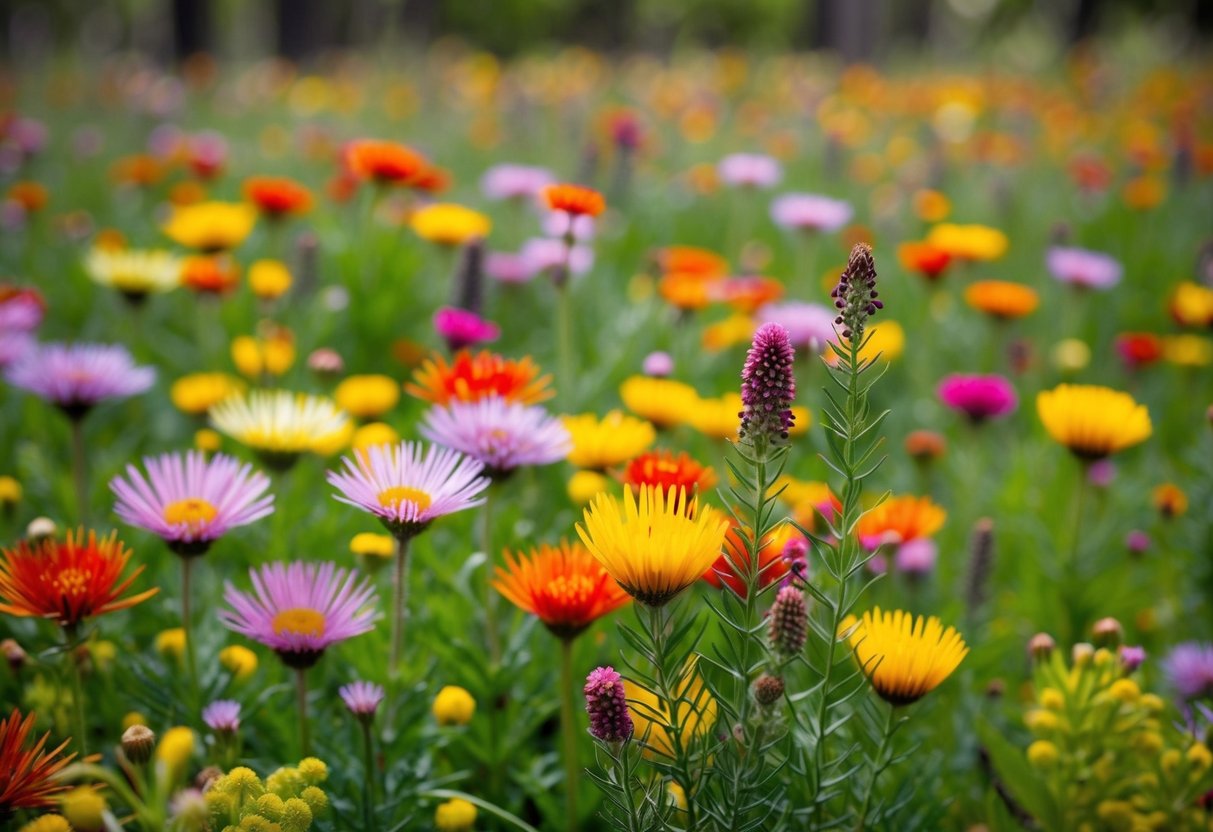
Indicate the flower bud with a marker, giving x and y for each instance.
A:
(138, 742)
(1041, 646)
(40, 528)
(1107, 632)
(606, 703)
(768, 690)
(1082, 654)
(789, 622)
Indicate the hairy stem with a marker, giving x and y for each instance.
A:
(80, 469)
(305, 746)
(368, 776)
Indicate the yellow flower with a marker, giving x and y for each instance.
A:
(175, 749)
(904, 657)
(279, 425)
(10, 491)
(1071, 355)
(450, 225)
(1125, 690)
(603, 443)
(1170, 500)
(136, 274)
(269, 279)
(453, 706)
(211, 226)
(733, 330)
(1191, 304)
(1052, 699)
(719, 418)
(1093, 422)
(47, 823)
(886, 339)
(969, 242)
(586, 485)
(1188, 350)
(931, 206)
(375, 433)
(369, 544)
(197, 393)
(694, 715)
(239, 661)
(271, 352)
(1200, 756)
(455, 815)
(654, 545)
(207, 440)
(83, 807)
(171, 643)
(367, 397)
(1042, 754)
(662, 401)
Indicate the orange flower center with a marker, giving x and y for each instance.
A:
(397, 494)
(194, 512)
(300, 621)
(569, 591)
(72, 582)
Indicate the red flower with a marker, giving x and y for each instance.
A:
(384, 162)
(574, 200)
(1139, 349)
(564, 586)
(663, 469)
(771, 565)
(471, 378)
(277, 196)
(67, 580)
(26, 773)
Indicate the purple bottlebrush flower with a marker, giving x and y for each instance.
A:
(191, 501)
(508, 181)
(749, 170)
(300, 609)
(658, 365)
(810, 326)
(768, 387)
(501, 435)
(789, 627)
(408, 489)
(222, 716)
(1083, 269)
(607, 704)
(979, 397)
(796, 555)
(1189, 668)
(855, 296)
(362, 698)
(810, 212)
(461, 328)
(78, 376)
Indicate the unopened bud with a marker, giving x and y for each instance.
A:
(1082, 653)
(14, 654)
(40, 528)
(768, 690)
(1041, 646)
(789, 622)
(138, 742)
(1107, 632)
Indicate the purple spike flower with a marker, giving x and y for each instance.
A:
(855, 296)
(768, 387)
(607, 705)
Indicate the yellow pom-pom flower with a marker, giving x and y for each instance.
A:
(83, 808)
(269, 279)
(454, 706)
(455, 815)
(239, 661)
(367, 396)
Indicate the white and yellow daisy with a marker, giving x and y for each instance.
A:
(136, 273)
(279, 425)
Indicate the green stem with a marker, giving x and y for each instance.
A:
(568, 729)
(80, 469)
(368, 777)
(564, 342)
(71, 636)
(400, 602)
(305, 746)
(878, 765)
(490, 596)
(191, 656)
(624, 762)
(668, 697)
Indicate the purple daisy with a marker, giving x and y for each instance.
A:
(14, 344)
(461, 328)
(300, 609)
(810, 326)
(1083, 269)
(749, 170)
(362, 698)
(407, 488)
(1189, 668)
(810, 212)
(21, 310)
(979, 397)
(222, 716)
(77, 376)
(190, 501)
(502, 435)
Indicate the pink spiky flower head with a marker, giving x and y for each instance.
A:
(222, 716)
(75, 377)
(190, 501)
(768, 388)
(463, 328)
(607, 704)
(407, 486)
(979, 397)
(300, 609)
(362, 698)
(502, 435)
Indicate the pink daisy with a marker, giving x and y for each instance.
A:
(1083, 269)
(978, 397)
(300, 609)
(508, 181)
(222, 716)
(408, 489)
(78, 376)
(190, 501)
(502, 435)
(810, 212)
(362, 698)
(749, 170)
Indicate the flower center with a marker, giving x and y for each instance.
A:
(300, 621)
(397, 494)
(71, 583)
(194, 512)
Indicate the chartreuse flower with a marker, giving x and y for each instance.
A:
(287, 800)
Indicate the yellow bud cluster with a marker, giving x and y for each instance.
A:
(286, 801)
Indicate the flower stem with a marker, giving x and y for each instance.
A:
(668, 700)
(80, 469)
(400, 601)
(368, 777)
(490, 597)
(305, 746)
(191, 656)
(878, 765)
(567, 728)
(71, 644)
(564, 343)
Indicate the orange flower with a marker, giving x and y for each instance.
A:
(28, 779)
(900, 520)
(924, 259)
(574, 199)
(1169, 499)
(1144, 192)
(747, 294)
(771, 565)
(432, 179)
(277, 196)
(691, 260)
(140, 170)
(564, 586)
(685, 290)
(662, 469)
(1001, 298)
(471, 378)
(1090, 173)
(212, 275)
(31, 196)
(67, 580)
(384, 162)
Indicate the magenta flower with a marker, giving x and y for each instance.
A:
(300, 609)
(606, 702)
(1189, 668)
(1083, 269)
(658, 365)
(916, 557)
(362, 698)
(515, 181)
(979, 397)
(461, 328)
(21, 310)
(191, 501)
(78, 376)
(1101, 473)
(749, 170)
(222, 716)
(502, 435)
(408, 489)
(768, 387)
(810, 212)
(810, 326)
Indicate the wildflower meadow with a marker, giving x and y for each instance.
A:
(566, 439)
